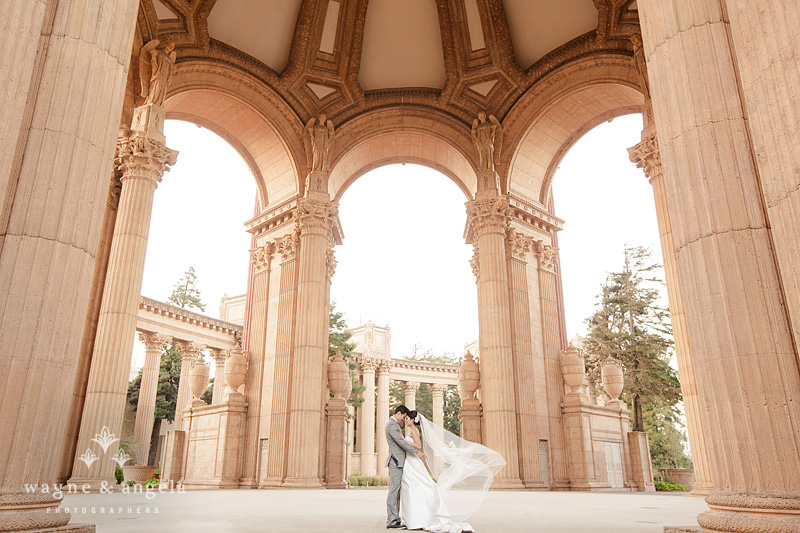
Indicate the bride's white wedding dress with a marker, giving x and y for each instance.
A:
(421, 502)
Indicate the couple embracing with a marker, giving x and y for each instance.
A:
(460, 474)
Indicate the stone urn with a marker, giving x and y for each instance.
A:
(572, 367)
(469, 377)
(198, 379)
(235, 368)
(137, 474)
(612, 377)
(349, 388)
(338, 375)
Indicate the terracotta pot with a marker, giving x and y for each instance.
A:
(572, 367)
(235, 368)
(137, 474)
(338, 376)
(469, 377)
(198, 379)
(613, 380)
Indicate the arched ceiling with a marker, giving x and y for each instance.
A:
(344, 57)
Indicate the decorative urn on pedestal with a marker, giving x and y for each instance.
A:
(613, 382)
(574, 371)
(338, 376)
(198, 381)
(469, 377)
(235, 370)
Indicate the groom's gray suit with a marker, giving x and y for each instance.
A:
(398, 448)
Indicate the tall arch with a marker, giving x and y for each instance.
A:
(258, 124)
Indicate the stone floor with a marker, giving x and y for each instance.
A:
(357, 510)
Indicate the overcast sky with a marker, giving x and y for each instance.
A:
(404, 261)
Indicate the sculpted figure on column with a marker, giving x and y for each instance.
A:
(318, 140)
(155, 70)
(488, 139)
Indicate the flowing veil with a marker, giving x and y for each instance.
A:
(464, 470)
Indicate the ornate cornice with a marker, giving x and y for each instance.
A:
(161, 308)
(154, 342)
(533, 215)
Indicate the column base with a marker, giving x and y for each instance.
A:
(507, 484)
(21, 511)
(302, 483)
(767, 512)
(702, 489)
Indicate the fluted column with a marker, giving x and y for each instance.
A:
(287, 247)
(518, 249)
(315, 222)
(488, 223)
(410, 394)
(219, 374)
(154, 344)
(547, 256)
(54, 170)
(143, 158)
(190, 352)
(366, 427)
(437, 393)
(382, 417)
(745, 362)
(647, 157)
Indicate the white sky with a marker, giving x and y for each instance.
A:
(403, 261)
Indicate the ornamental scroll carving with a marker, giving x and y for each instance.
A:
(518, 245)
(647, 156)
(488, 216)
(288, 246)
(143, 157)
(547, 256)
(261, 257)
(330, 259)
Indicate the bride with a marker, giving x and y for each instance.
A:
(464, 471)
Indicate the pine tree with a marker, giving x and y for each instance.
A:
(630, 326)
(186, 292)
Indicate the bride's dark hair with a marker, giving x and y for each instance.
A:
(413, 416)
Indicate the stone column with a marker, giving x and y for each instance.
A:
(745, 362)
(382, 417)
(546, 256)
(154, 343)
(410, 394)
(287, 247)
(315, 219)
(488, 222)
(189, 354)
(366, 427)
(219, 374)
(143, 158)
(437, 392)
(518, 248)
(647, 157)
(54, 176)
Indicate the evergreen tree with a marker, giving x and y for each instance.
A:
(631, 327)
(186, 293)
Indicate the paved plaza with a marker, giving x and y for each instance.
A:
(363, 510)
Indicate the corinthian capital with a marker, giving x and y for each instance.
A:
(261, 257)
(143, 157)
(488, 216)
(547, 256)
(288, 245)
(518, 245)
(154, 342)
(189, 350)
(647, 156)
(368, 364)
(315, 216)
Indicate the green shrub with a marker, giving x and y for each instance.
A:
(668, 486)
(118, 474)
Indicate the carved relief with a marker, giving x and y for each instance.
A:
(288, 245)
(488, 216)
(474, 263)
(518, 245)
(647, 156)
(547, 256)
(154, 342)
(368, 364)
(488, 140)
(143, 157)
(315, 216)
(261, 257)
(156, 64)
(318, 139)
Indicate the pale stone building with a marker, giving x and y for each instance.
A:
(313, 94)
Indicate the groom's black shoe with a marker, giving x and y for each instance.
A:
(396, 525)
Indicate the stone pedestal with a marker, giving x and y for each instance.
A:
(742, 346)
(174, 445)
(189, 354)
(336, 448)
(642, 467)
(143, 159)
(470, 419)
(219, 375)
(154, 343)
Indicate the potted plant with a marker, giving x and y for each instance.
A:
(133, 459)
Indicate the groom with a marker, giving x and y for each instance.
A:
(398, 448)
